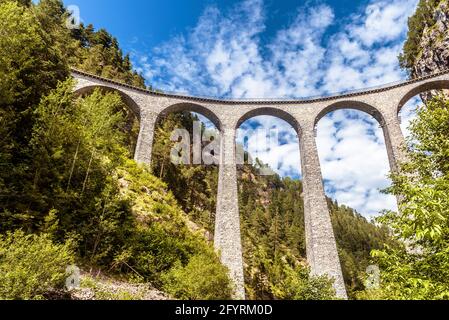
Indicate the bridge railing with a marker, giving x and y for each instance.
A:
(327, 96)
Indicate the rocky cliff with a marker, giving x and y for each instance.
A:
(428, 50)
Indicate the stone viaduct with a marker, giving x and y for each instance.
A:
(383, 103)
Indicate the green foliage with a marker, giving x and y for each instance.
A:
(103, 215)
(194, 187)
(31, 265)
(272, 226)
(66, 171)
(99, 53)
(125, 221)
(69, 145)
(203, 278)
(277, 228)
(296, 283)
(284, 277)
(356, 238)
(29, 68)
(419, 269)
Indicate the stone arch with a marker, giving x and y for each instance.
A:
(188, 107)
(373, 112)
(129, 102)
(271, 111)
(192, 107)
(354, 105)
(386, 126)
(420, 88)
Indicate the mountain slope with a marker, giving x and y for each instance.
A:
(68, 182)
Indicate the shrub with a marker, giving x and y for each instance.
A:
(203, 278)
(296, 283)
(283, 277)
(31, 265)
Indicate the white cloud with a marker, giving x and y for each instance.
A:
(225, 55)
(383, 21)
(355, 163)
(274, 142)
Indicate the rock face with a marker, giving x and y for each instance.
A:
(434, 47)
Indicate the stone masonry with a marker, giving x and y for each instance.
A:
(383, 103)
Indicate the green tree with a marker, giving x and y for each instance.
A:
(53, 18)
(29, 69)
(420, 268)
(203, 278)
(64, 162)
(99, 53)
(356, 238)
(26, 3)
(31, 266)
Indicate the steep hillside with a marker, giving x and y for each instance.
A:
(69, 191)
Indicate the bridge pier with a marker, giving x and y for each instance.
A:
(227, 219)
(144, 145)
(322, 254)
(394, 140)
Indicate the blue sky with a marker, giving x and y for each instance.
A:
(267, 48)
(155, 21)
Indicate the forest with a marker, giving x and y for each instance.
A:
(70, 193)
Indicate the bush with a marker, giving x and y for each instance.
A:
(31, 265)
(296, 283)
(203, 278)
(419, 269)
(283, 277)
